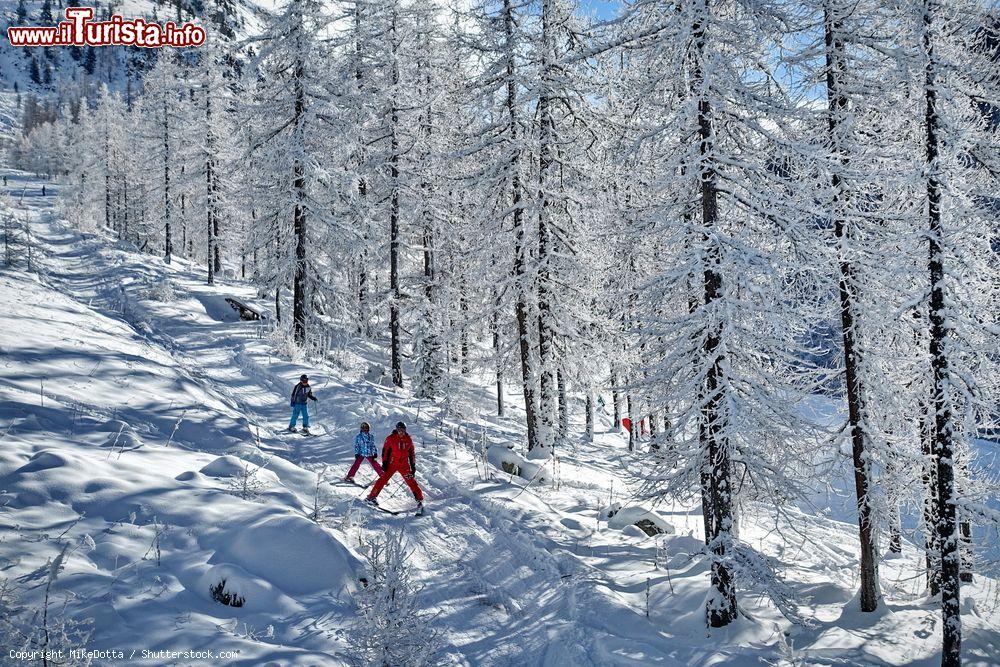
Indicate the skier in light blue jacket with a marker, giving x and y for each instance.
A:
(364, 448)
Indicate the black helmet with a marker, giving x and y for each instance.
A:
(401, 425)
(303, 378)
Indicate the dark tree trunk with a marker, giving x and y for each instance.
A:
(837, 108)
(364, 318)
(277, 276)
(616, 399)
(299, 287)
(966, 530)
(396, 343)
(547, 395)
(930, 510)
(168, 243)
(633, 425)
(721, 606)
(211, 210)
(217, 256)
(942, 426)
(521, 277)
(430, 362)
(107, 178)
(589, 425)
(497, 305)
(184, 234)
(563, 405)
(463, 308)
(932, 549)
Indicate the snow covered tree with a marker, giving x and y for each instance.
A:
(728, 304)
(392, 629)
(959, 167)
(287, 97)
(162, 134)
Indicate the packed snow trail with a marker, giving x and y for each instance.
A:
(159, 403)
(196, 335)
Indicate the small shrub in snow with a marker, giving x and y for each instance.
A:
(46, 627)
(283, 344)
(392, 629)
(321, 498)
(220, 594)
(162, 291)
(245, 483)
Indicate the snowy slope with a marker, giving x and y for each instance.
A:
(134, 404)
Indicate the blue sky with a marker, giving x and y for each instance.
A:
(604, 9)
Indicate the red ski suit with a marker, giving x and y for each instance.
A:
(398, 456)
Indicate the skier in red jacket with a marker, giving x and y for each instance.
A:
(398, 456)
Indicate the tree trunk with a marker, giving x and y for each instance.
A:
(217, 256)
(211, 210)
(107, 176)
(299, 298)
(589, 426)
(430, 373)
(521, 277)
(837, 107)
(168, 244)
(940, 402)
(396, 343)
(616, 399)
(721, 604)
(463, 336)
(965, 528)
(497, 304)
(930, 513)
(563, 405)
(547, 396)
(633, 424)
(364, 318)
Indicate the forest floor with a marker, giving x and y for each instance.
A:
(140, 424)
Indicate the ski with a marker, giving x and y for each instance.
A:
(344, 482)
(419, 511)
(295, 432)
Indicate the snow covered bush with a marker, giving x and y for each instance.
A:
(392, 629)
(45, 627)
(245, 483)
(284, 345)
(162, 291)
(229, 598)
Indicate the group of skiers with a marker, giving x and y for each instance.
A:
(398, 454)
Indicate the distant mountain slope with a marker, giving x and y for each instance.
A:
(63, 74)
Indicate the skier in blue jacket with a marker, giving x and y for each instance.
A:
(364, 448)
(301, 393)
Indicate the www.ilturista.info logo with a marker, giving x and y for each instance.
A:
(79, 30)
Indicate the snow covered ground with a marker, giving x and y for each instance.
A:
(139, 421)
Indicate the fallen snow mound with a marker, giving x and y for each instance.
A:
(651, 523)
(514, 464)
(292, 553)
(254, 593)
(233, 466)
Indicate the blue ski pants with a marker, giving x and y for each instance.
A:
(299, 409)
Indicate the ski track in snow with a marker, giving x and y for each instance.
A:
(137, 389)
